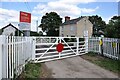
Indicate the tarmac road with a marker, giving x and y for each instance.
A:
(76, 67)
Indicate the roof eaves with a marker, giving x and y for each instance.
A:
(73, 21)
(12, 26)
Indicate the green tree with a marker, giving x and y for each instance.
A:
(32, 33)
(50, 23)
(40, 33)
(113, 27)
(98, 24)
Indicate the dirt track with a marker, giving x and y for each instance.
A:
(76, 67)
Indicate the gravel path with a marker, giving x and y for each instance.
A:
(76, 67)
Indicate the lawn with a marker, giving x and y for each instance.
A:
(32, 70)
(104, 62)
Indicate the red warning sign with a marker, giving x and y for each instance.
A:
(25, 17)
(60, 47)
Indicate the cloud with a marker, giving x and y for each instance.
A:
(64, 8)
(117, 0)
(106, 19)
(26, 0)
(7, 16)
(16, 0)
(12, 16)
(85, 10)
(75, 1)
(70, 1)
(107, 0)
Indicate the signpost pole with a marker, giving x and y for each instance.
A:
(25, 22)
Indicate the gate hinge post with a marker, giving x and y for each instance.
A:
(33, 50)
(77, 46)
(86, 44)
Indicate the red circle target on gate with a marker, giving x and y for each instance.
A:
(60, 47)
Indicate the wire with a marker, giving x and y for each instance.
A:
(28, 6)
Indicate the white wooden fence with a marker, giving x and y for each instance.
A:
(110, 46)
(15, 52)
(93, 44)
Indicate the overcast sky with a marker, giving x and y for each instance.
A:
(9, 9)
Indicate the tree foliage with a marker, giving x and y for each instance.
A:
(50, 23)
(98, 24)
(113, 27)
(41, 33)
(32, 33)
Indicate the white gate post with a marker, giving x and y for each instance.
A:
(33, 50)
(77, 45)
(86, 41)
(1, 37)
(3, 57)
(86, 44)
(59, 42)
(99, 46)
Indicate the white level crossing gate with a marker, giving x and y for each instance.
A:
(45, 48)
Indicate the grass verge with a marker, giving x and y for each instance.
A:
(104, 62)
(31, 71)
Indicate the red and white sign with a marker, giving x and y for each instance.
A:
(25, 21)
(25, 17)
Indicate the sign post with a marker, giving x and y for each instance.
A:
(101, 45)
(25, 22)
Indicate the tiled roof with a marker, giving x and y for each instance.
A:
(11, 26)
(73, 21)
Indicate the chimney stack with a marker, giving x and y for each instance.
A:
(67, 18)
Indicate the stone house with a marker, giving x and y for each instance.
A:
(76, 27)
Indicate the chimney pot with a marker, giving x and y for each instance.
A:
(67, 18)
